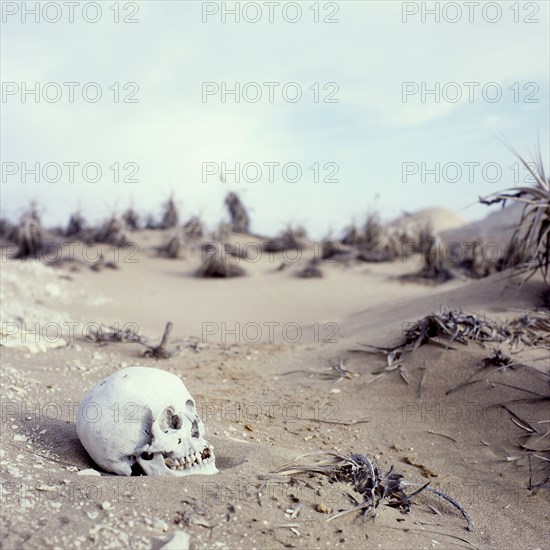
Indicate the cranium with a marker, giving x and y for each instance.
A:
(143, 420)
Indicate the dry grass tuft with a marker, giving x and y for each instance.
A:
(29, 236)
(193, 229)
(332, 250)
(373, 229)
(474, 264)
(6, 228)
(219, 265)
(173, 245)
(352, 236)
(375, 243)
(150, 222)
(170, 216)
(534, 227)
(311, 271)
(222, 232)
(131, 219)
(76, 226)
(240, 220)
(290, 239)
(434, 267)
(112, 231)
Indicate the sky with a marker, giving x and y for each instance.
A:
(400, 109)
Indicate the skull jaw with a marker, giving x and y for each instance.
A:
(157, 467)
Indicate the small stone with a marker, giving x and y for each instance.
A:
(322, 508)
(106, 505)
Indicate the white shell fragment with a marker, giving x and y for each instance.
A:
(142, 420)
(179, 541)
(88, 472)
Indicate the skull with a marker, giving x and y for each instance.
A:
(143, 420)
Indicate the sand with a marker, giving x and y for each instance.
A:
(265, 400)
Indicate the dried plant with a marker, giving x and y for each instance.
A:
(112, 231)
(240, 220)
(150, 222)
(290, 239)
(76, 226)
(369, 481)
(434, 267)
(332, 250)
(29, 235)
(170, 216)
(352, 236)
(534, 226)
(373, 230)
(447, 327)
(474, 263)
(193, 229)
(6, 228)
(222, 232)
(497, 359)
(173, 245)
(218, 264)
(379, 243)
(533, 445)
(131, 219)
(114, 334)
(310, 271)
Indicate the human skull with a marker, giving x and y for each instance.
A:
(143, 420)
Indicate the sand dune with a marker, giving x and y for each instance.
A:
(267, 397)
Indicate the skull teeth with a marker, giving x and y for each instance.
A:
(191, 460)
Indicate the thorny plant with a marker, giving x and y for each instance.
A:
(368, 480)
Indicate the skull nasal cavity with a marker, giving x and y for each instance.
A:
(195, 429)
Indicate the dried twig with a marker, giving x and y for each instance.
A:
(115, 334)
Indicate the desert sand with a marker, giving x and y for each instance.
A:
(267, 396)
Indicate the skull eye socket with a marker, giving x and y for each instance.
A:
(195, 433)
(175, 422)
(170, 421)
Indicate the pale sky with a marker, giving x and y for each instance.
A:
(364, 60)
